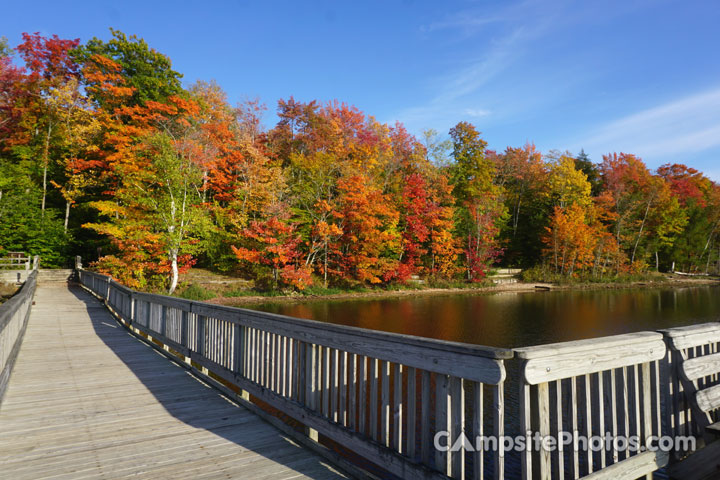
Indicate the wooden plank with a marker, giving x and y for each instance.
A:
(362, 394)
(442, 421)
(385, 403)
(708, 399)
(588, 419)
(397, 412)
(544, 415)
(127, 412)
(373, 416)
(457, 425)
(574, 421)
(633, 467)
(478, 417)
(352, 381)
(499, 429)
(612, 400)
(559, 428)
(647, 403)
(695, 368)
(587, 345)
(333, 390)
(425, 427)
(342, 385)
(565, 365)
(410, 448)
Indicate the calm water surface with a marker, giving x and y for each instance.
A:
(519, 319)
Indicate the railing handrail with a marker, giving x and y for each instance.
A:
(14, 315)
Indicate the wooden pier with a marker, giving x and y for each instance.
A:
(89, 400)
(110, 382)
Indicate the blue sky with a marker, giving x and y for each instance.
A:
(639, 76)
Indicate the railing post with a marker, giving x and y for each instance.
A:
(78, 262)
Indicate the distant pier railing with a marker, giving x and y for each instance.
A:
(14, 315)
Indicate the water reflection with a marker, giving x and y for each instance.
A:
(518, 319)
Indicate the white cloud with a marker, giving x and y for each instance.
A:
(476, 112)
(684, 126)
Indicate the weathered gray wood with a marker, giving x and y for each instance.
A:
(373, 416)
(437, 357)
(362, 394)
(442, 421)
(111, 407)
(412, 393)
(457, 425)
(544, 415)
(647, 403)
(699, 367)
(386, 458)
(425, 438)
(352, 381)
(342, 382)
(708, 399)
(561, 363)
(14, 317)
(559, 427)
(574, 421)
(693, 335)
(478, 430)
(633, 467)
(499, 429)
(588, 419)
(612, 400)
(385, 403)
(397, 412)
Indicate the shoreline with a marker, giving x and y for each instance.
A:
(519, 287)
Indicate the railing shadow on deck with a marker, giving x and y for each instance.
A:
(153, 370)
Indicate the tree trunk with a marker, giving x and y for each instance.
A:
(46, 160)
(642, 226)
(657, 262)
(325, 266)
(67, 214)
(175, 273)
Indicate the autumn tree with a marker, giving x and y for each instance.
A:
(479, 200)
(148, 72)
(275, 244)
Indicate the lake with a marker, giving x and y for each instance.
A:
(511, 319)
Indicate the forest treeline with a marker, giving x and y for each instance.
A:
(104, 153)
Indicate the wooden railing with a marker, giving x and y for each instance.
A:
(593, 387)
(385, 396)
(14, 316)
(683, 418)
(19, 263)
(382, 396)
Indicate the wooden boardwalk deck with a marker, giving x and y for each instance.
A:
(88, 400)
